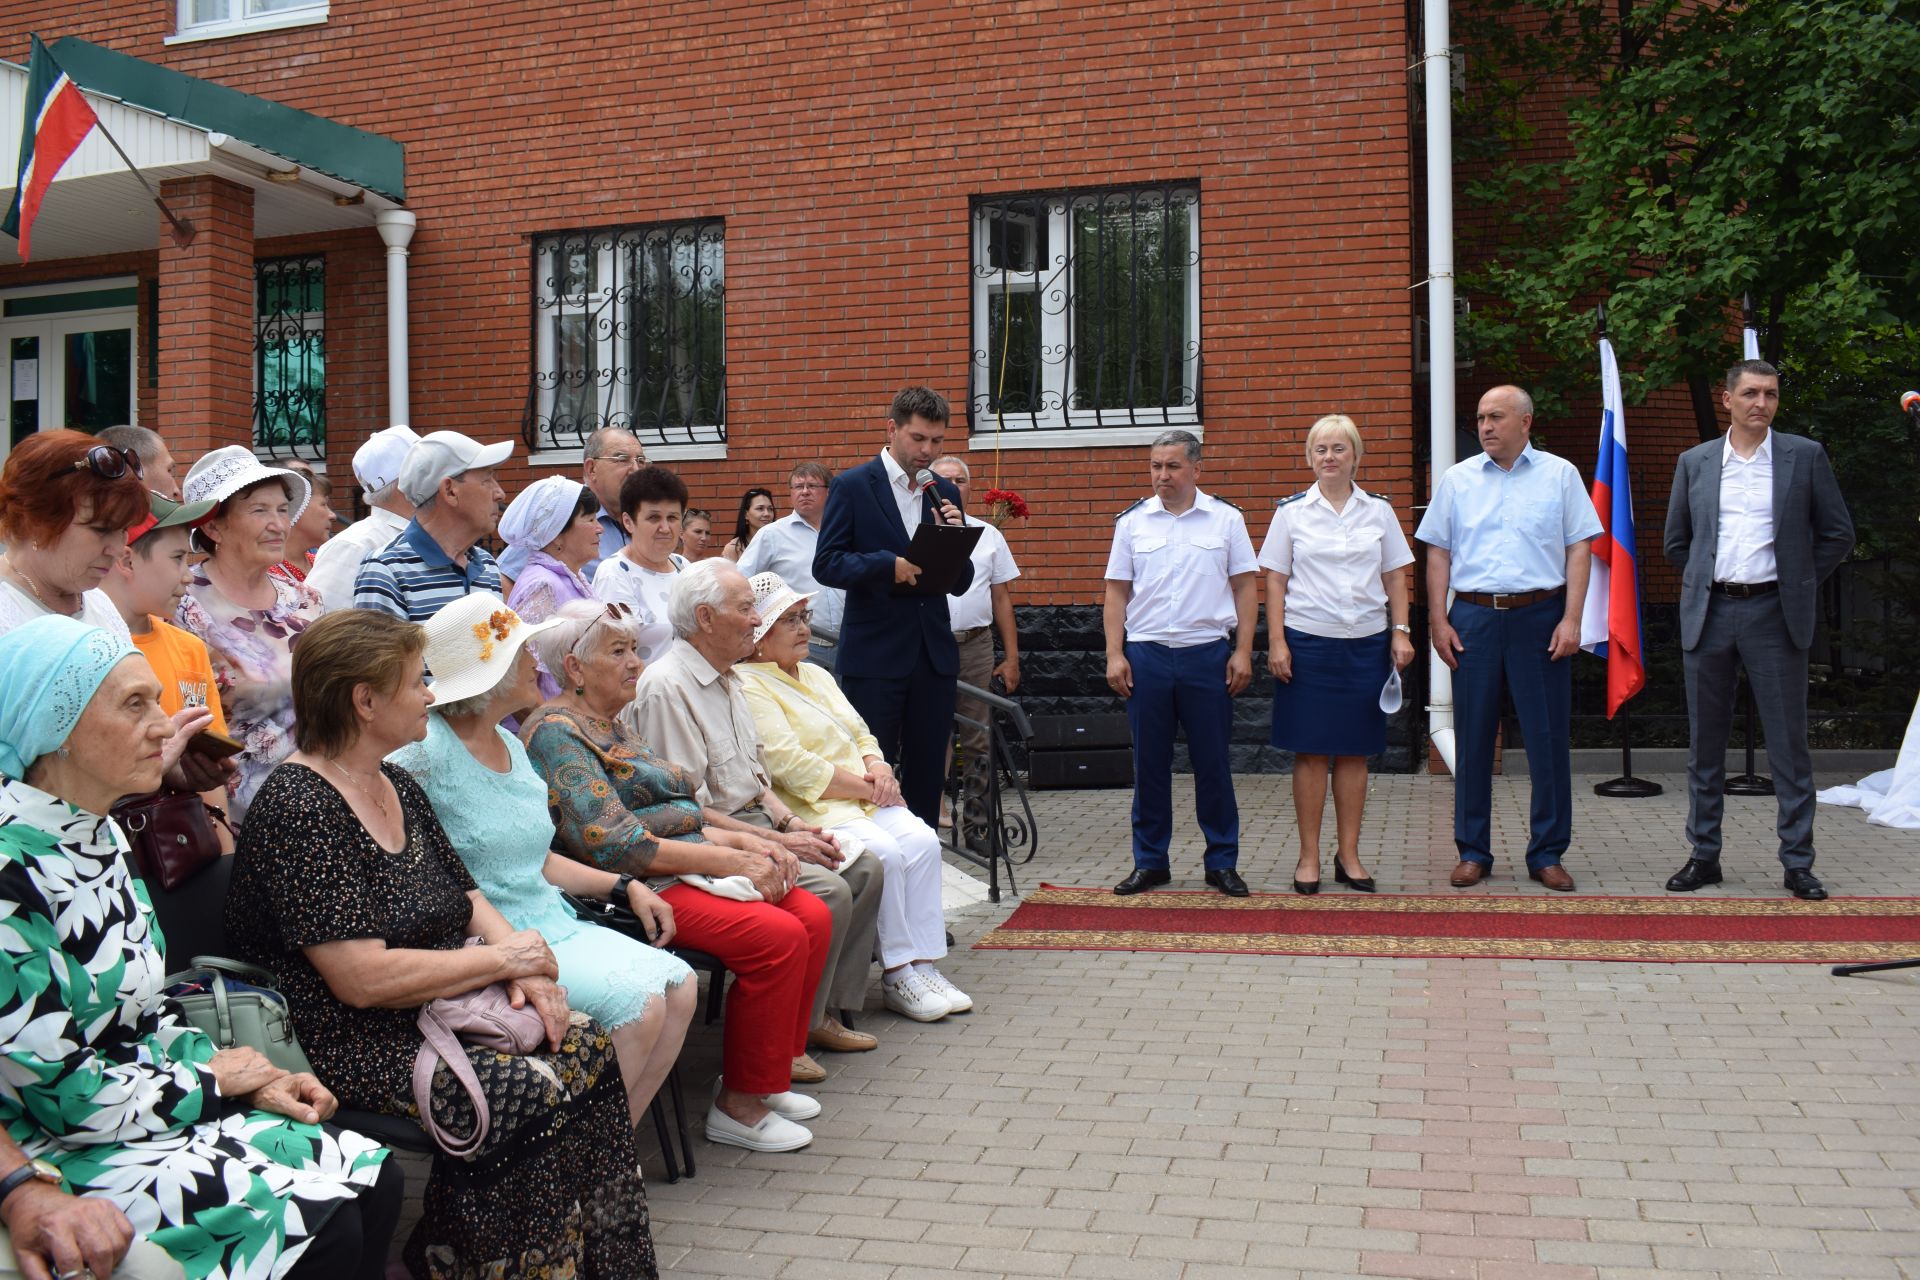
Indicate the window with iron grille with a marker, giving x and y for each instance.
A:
(1086, 309)
(290, 357)
(629, 330)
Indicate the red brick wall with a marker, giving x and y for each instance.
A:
(206, 334)
(841, 142)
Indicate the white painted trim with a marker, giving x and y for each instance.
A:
(1078, 438)
(312, 16)
(655, 453)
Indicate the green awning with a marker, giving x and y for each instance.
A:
(352, 155)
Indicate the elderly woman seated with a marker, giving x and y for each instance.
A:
(346, 886)
(827, 769)
(217, 1160)
(493, 806)
(623, 809)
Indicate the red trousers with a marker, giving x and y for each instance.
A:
(776, 952)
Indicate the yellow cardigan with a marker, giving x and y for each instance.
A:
(807, 730)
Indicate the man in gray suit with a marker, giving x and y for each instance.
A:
(1755, 523)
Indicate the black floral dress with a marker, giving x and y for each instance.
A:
(555, 1192)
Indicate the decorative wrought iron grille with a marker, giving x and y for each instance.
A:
(629, 330)
(290, 357)
(1086, 308)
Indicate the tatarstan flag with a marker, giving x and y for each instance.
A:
(56, 120)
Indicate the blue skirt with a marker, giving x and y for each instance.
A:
(1331, 707)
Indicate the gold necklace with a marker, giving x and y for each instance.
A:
(379, 802)
(33, 589)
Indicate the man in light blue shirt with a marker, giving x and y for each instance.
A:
(1510, 532)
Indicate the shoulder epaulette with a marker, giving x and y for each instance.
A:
(1137, 502)
(1291, 498)
(1226, 502)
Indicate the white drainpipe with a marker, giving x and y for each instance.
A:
(1438, 65)
(396, 229)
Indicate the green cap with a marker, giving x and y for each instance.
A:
(165, 513)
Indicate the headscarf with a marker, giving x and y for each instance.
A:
(50, 669)
(541, 513)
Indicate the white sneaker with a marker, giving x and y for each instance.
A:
(774, 1132)
(794, 1106)
(958, 1001)
(912, 996)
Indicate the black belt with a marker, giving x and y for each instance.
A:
(1746, 590)
(1508, 599)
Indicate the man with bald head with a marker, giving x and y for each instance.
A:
(1509, 532)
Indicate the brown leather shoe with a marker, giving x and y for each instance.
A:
(1554, 877)
(830, 1035)
(807, 1071)
(1468, 874)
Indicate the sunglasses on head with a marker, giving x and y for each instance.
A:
(616, 611)
(110, 463)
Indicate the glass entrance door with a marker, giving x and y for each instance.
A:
(66, 365)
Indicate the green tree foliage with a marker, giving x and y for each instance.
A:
(1711, 150)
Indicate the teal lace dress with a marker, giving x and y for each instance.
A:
(501, 828)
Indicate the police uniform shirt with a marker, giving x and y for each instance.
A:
(1508, 531)
(1334, 561)
(1180, 567)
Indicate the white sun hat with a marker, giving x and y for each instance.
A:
(222, 473)
(772, 597)
(441, 455)
(472, 644)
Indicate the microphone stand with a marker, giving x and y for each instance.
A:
(1626, 786)
(1748, 783)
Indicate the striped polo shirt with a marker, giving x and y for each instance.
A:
(413, 578)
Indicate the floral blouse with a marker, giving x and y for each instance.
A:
(613, 800)
(99, 1076)
(252, 653)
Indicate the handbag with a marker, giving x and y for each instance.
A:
(485, 1018)
(171, 834)
(237, 1004)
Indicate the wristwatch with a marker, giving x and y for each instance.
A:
(1403, 628)
(35, 1170)
(618, 894)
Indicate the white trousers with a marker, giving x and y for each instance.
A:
(911, 923)
(144, 1261)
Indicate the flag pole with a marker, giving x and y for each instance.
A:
(1626, 786)
(183, 230)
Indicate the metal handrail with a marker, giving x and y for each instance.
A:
(989, 841)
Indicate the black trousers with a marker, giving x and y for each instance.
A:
(912, 716)
(355, 1238)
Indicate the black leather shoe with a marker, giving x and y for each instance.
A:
(1228, 881)
(1139, 880)
(1806, 885)
(1340, 876)
(1697, 872)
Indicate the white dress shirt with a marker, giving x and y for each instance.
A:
(1181, 569)
(992, 564)
(337, 563)
(912, 511)
(786, 547)
(1334, 562)
(1743, 550)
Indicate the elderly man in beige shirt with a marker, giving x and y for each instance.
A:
(691, 710)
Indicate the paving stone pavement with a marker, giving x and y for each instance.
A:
(1119, 1115)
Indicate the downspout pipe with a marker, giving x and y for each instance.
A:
(396, 228)
(1437, 66)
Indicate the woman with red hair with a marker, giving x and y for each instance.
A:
(66, 503)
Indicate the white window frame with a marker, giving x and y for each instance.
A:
(1065, 426)
(242, 20)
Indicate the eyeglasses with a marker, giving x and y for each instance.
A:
(796, 619)
(621, 459)
(110, 463)
(616, 611)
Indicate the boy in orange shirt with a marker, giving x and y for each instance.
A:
(146, 584)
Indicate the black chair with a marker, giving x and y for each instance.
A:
(619, 918)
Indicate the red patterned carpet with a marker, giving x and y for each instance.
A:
(1467, 925)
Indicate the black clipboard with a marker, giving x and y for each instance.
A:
(941, 550)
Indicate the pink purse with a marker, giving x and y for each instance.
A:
(485, 1018)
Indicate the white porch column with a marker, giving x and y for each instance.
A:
(396, 229)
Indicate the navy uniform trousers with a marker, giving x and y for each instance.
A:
(1186, 688)
(1508, 647)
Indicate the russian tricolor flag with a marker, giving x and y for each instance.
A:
(57, 120)
(1610, 624)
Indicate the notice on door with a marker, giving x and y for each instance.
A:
(26, 380)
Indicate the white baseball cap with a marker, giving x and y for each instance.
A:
(376, 464)
(441, 455)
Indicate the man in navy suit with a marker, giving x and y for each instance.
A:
(898, 660)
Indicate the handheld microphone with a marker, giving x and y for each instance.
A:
(923, 480)
(1910, 405)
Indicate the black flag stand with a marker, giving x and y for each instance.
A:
(1626, 786)
(1749, 783)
